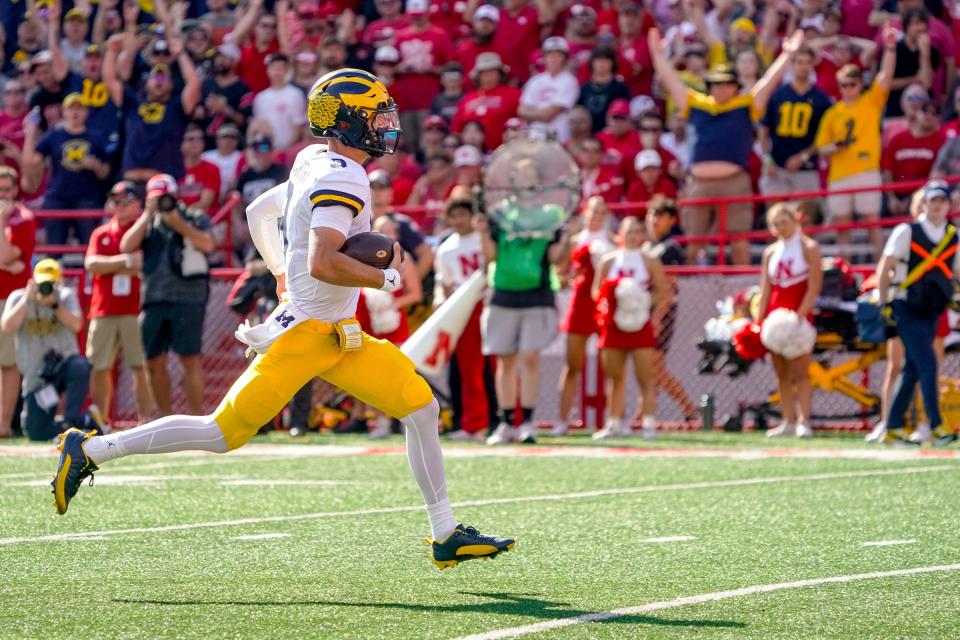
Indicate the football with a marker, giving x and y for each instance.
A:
(372, 248)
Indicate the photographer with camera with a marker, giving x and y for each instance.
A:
(175, 242)
(44, 319)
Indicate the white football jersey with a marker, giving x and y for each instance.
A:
(457, 258)
(319, 180)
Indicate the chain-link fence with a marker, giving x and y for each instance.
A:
(223, 360)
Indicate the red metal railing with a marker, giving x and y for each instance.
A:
(721, 239)
(222, 215)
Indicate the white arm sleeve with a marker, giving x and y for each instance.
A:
(262, 216)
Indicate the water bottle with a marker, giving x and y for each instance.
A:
(706, 411)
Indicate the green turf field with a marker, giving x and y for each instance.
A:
(320, 541)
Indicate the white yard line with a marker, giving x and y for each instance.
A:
(549, 625)
(267, 451)
(839, 475)
(252, 482)
(667, 539)
(262, 536)
(887, 543)
(111, 479)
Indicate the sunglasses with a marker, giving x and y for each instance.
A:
(849, 85)
(651, 129)
(267, 25)
(122, 199)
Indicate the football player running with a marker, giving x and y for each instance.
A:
(313, 331)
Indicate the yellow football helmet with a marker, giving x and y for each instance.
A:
(354, 107)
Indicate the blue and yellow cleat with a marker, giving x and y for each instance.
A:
(73, 469)
(941, 437)
(899, 438)
(466, 543)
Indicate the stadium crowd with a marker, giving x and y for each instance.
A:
(655, 100)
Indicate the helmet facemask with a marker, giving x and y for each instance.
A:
(384, 132)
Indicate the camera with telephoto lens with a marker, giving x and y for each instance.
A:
(45, 288)
(52, 361)
(166, 203)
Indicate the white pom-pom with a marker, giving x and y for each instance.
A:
(384, 318)
(633, 305)
(787, 334)
(722, 329)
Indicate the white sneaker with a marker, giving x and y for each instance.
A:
(527, 433)
(462, 435)
(878, 434)
(560, 429)
(503, 434)
(804, 430)
(611, 430)
(649, 428)
(921, 434)
(381, 429)
(784, 429)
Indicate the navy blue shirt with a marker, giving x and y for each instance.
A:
(103, 119)
(793, 120)
(153, 133)
(71, 185)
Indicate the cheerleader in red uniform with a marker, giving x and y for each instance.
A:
(579, 323)
(790, 278)
(630, 283)
(384, 316)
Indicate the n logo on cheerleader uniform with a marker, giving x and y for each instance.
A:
(784, 271)
(626, 273)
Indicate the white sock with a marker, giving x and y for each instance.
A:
(649, 423)
(166, 435)
(614, 424)
(426, 463)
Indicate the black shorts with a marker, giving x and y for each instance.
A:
(178, 325)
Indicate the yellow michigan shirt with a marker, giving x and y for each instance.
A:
(859, 124)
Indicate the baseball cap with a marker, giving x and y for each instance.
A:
(229, 50)
(815, 23)
(72, 100)
(160, 70)
(306, 56)
(619, 108)
(487, 12)
(261, 142)
(514, 123)
(75, 14)
(387, 54)
(47, 270)
(744, 24)
(126, 188)
(467, 155)
(555, 43)
(380, 178)
(631, 7)
(647, 158)
(640, 105)
(92, 50)
(582, 11)
(417, 7)
(435, 121)
(936, 189)
(276, 57)
(228, 130)
(41, 57)
(161, 184)
(721, 74)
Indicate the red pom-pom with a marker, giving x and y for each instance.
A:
(747, 343)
